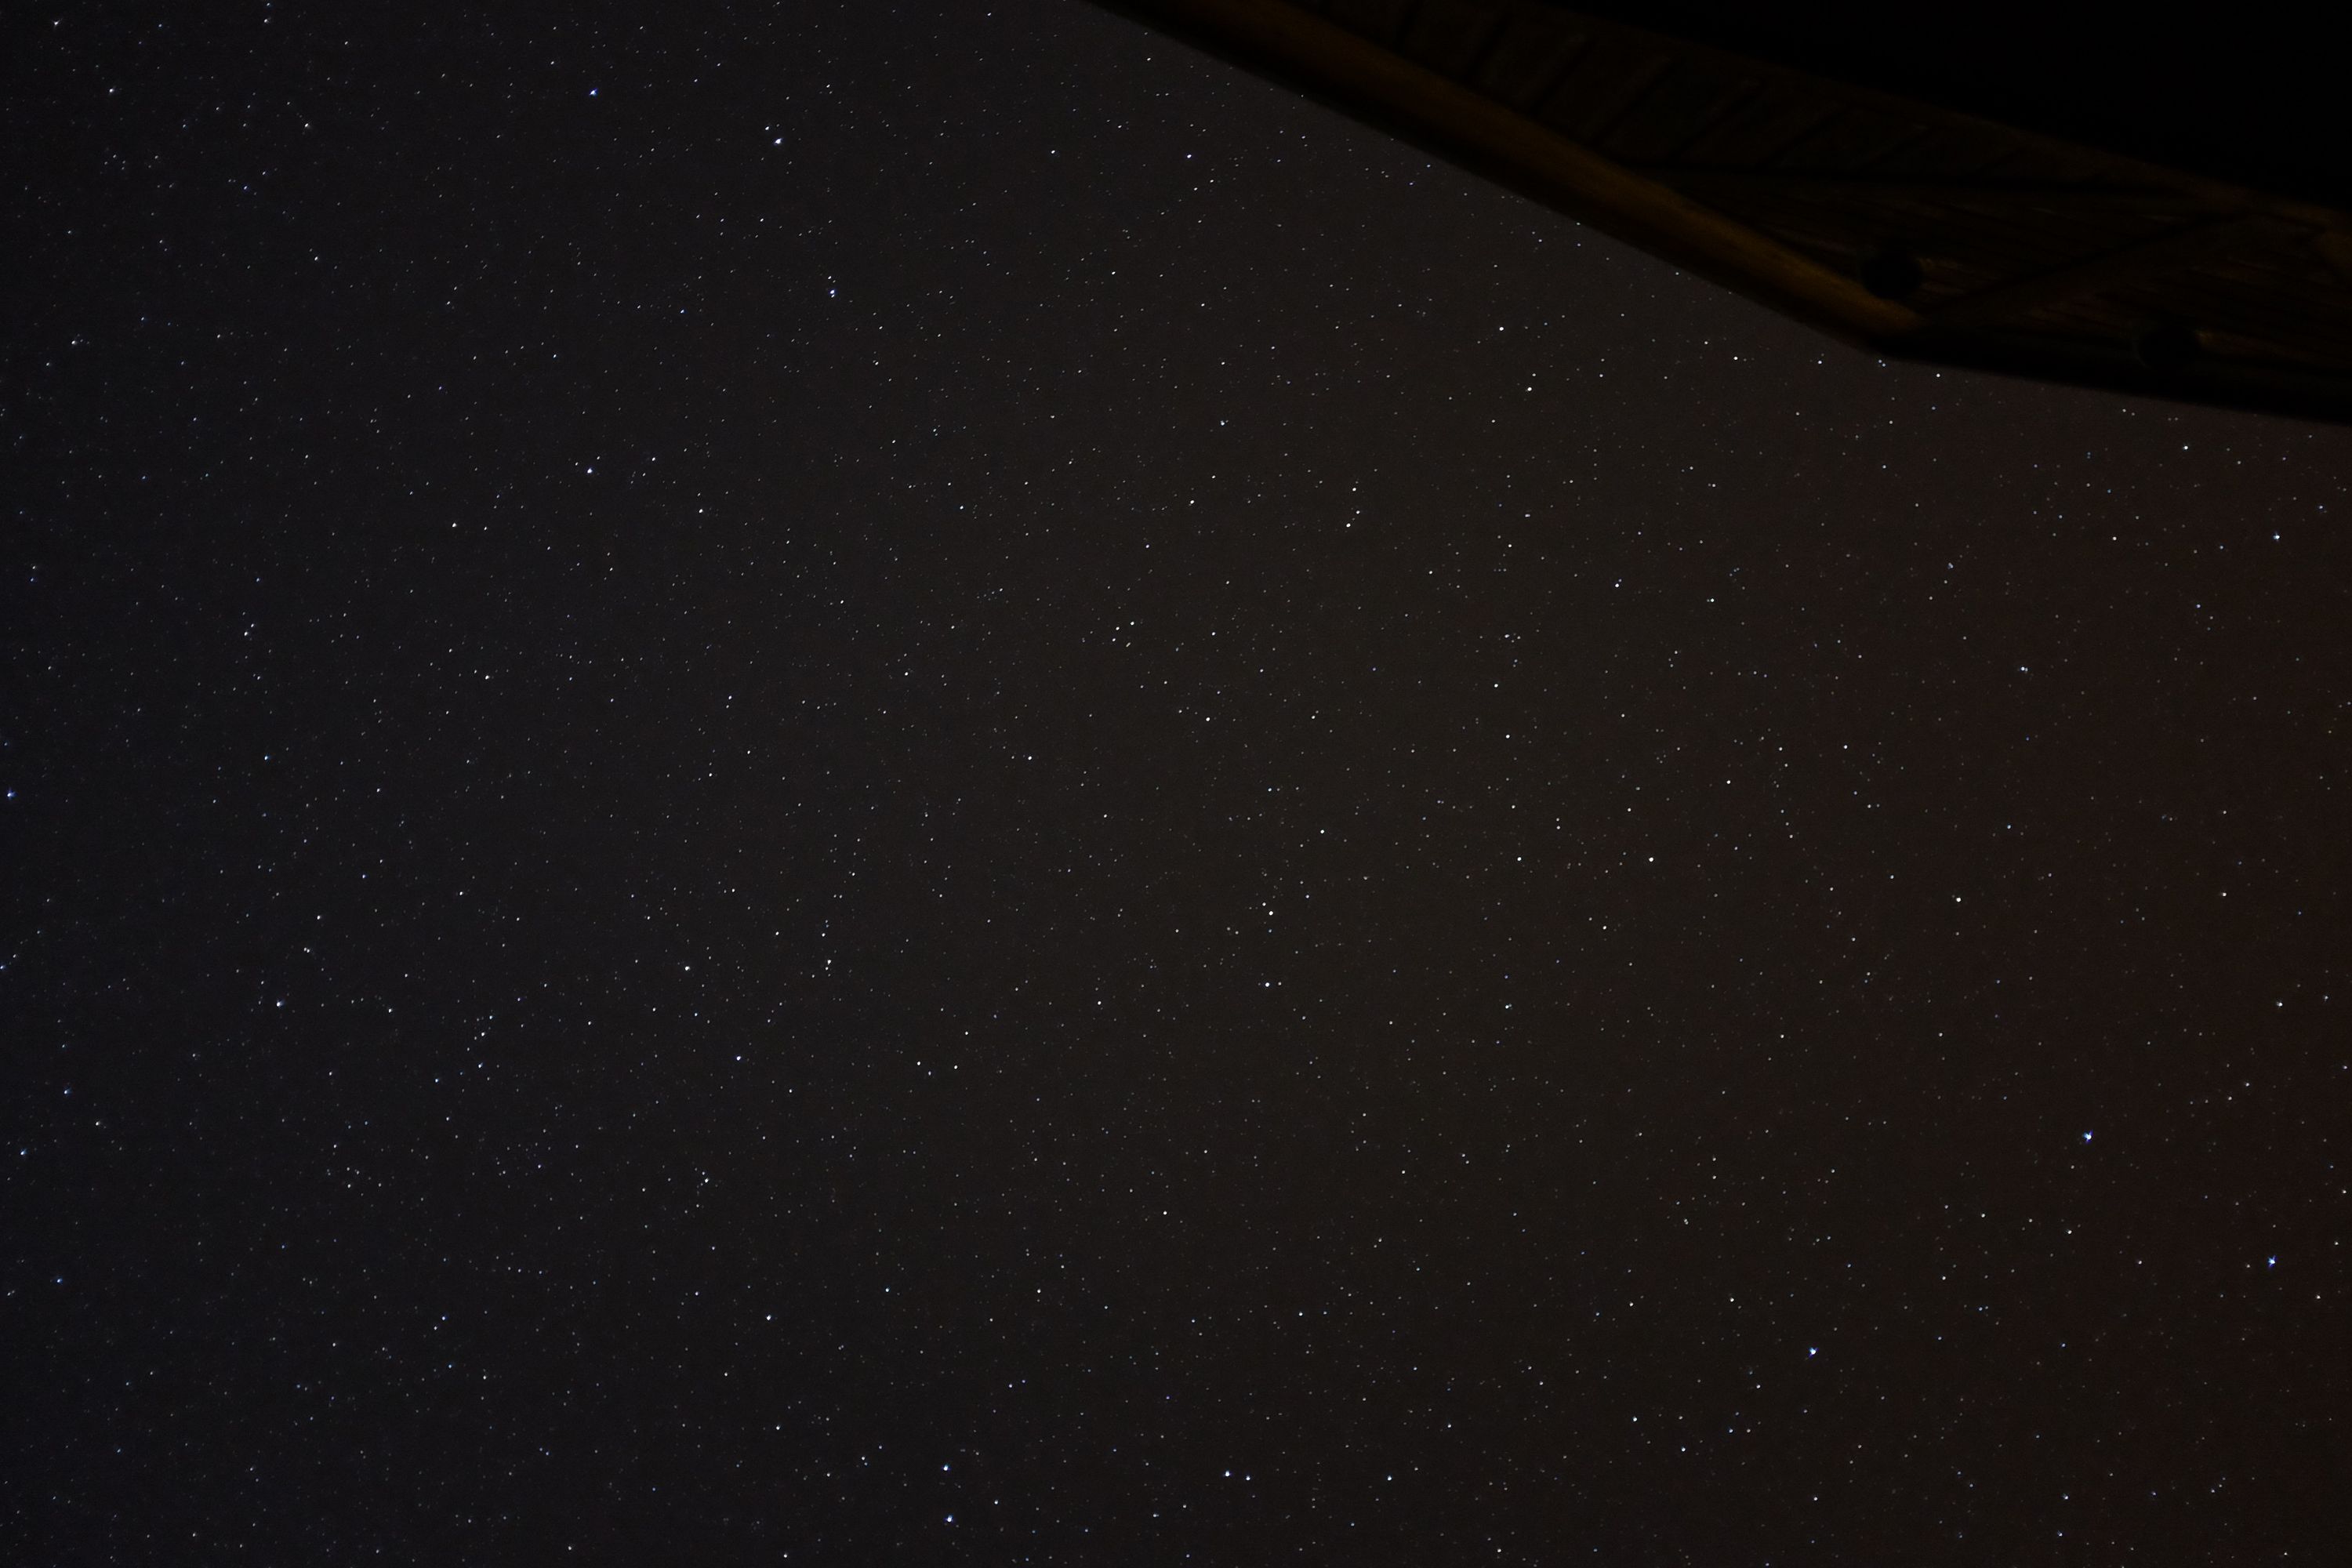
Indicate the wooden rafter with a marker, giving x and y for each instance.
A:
(2176, 248)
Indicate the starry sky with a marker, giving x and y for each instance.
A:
(908, 783)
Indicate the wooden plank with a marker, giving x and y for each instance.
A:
(2336, 249)
(2301, 273)
(1378, 19)
(2036, 159)
(2094, 316)
(1848, 142)
(2008, 242)
(2211, 297)
(2269, 347)
(2024, 196)
(1536, 50)
(1753, 135)
(2177, 248)
(2008, 239)
(1449, 36)
(1948, 151)
(1678, 111)
(1601, 85)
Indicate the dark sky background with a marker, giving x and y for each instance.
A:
(915, 782)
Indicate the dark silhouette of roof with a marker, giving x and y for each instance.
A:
(2155, 204)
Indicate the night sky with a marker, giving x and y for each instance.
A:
(888, 783)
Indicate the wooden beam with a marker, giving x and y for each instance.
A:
(1777, 183)
(2336, 249)
(2167, 252)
